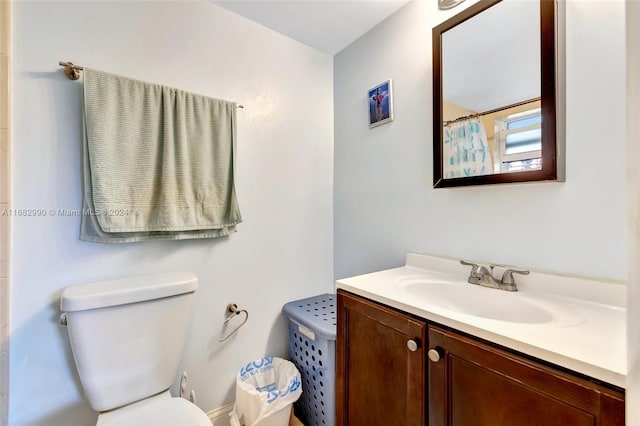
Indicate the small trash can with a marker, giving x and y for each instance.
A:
(265, 391)
(312, 348)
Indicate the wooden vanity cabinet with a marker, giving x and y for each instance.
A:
(453, 380)
(380, 365)
(474, 383)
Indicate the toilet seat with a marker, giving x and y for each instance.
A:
(159, 410)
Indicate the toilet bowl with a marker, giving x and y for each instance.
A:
(127, 337)
(159, 410)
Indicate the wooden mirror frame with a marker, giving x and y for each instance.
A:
(552, 168)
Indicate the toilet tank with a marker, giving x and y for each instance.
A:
(127, 335)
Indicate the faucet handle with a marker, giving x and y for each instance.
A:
(474, 266)
(507, 276)
(478, 272)
(477, 269)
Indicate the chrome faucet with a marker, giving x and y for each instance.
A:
(480, 275)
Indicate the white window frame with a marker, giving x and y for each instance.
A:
(500, 139)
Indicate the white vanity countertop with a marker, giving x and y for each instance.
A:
(576, 323)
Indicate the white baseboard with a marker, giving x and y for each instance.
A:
(220, 416)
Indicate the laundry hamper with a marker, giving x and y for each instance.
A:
(312, 348)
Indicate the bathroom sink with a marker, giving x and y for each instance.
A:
(499, 305)
(577, 323)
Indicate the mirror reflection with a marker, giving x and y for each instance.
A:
(491, 92)
(494, 82)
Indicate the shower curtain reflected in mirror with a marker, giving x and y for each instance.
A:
(466, 151)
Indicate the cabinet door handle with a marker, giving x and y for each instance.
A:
(434, 354)
(413, 345)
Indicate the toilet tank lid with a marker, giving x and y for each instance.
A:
(102, 294)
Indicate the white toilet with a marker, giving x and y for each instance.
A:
(127, 338)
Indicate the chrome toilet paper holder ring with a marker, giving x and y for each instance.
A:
(232, 308)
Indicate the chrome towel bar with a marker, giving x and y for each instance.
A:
(72, 71)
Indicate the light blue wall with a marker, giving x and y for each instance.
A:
(384, 203)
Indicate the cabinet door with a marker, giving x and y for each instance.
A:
(380, 365)
(473, 383)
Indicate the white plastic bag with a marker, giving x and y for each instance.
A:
(264, 387)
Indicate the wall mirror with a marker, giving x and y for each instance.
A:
(495, 114)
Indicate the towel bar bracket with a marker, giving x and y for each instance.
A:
(71, 70)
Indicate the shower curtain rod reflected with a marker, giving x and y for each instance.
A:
(491, 111)
(72, 71)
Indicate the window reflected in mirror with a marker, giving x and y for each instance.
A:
(518, 141)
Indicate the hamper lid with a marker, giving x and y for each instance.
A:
(317, 313)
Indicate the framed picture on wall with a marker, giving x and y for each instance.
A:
(380, 104)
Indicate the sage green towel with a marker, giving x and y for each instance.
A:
(158, 162)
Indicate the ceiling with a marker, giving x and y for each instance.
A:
(327, 25)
